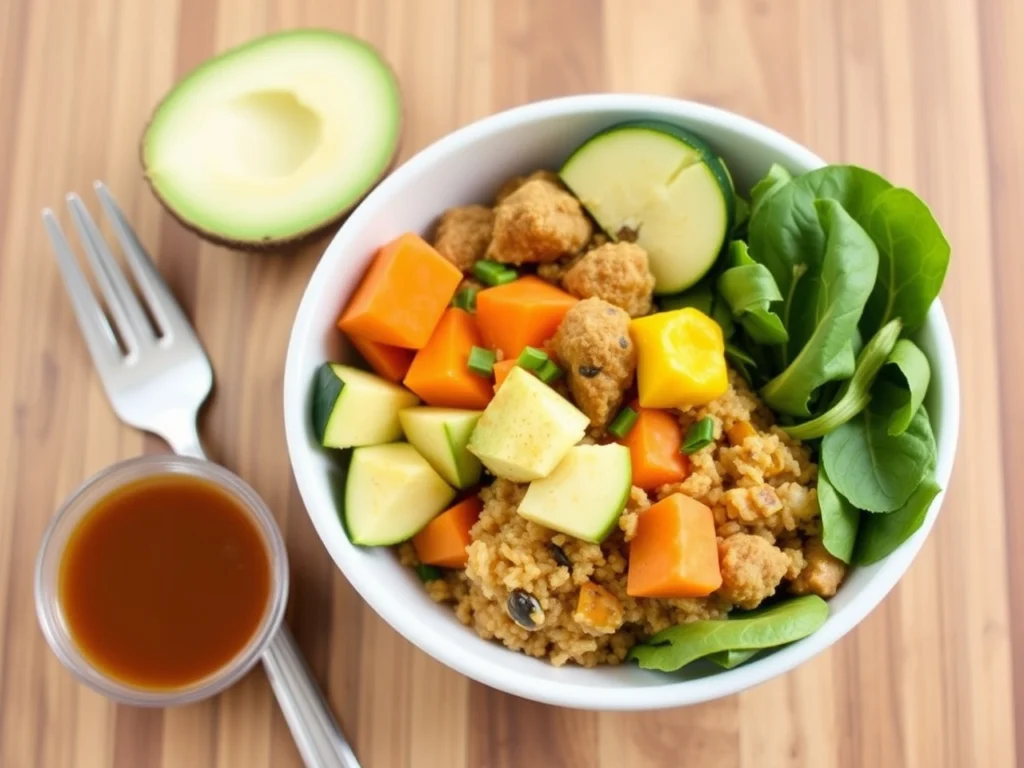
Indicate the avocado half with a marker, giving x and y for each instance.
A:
(274, 140)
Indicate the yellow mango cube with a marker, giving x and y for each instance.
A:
(680, 359)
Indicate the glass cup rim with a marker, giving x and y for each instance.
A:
(80, 502)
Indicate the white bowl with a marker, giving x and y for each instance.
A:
(468, 166)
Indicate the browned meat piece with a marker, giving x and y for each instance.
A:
(539, 222)
(513, 184)
(594, 346)
(822, 573)
(752, 567)
(463, 234)
(617, 273)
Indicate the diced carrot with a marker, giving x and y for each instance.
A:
(674, 553)
(390, 362)
(501, 370)
(654, 443)
(739, 432)
(439, 372)
(443, 542)
(403, 294)
(520, 314)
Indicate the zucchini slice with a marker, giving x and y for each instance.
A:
(353, 407)
(662, 187)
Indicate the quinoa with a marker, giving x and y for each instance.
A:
(764, 502)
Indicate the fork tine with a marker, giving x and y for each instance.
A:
(131, 321)
(98, 335)
(162, 303)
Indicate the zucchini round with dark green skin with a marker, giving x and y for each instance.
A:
(662, 187)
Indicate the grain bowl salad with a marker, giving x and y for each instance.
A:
(624, 412)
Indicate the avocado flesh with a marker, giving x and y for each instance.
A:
(275, 139)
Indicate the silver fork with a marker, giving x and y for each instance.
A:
(156, 380)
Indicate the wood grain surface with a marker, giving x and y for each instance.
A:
(927, 91)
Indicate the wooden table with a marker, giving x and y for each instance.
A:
(923, 90)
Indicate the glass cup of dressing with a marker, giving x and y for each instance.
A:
(161, 580)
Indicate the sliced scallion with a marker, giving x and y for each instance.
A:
(532, 359)
(465, 299)
(549, 372)
(492, 273)
(700, 434)
(623, 422)
(481, 362)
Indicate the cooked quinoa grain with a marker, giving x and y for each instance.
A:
(765, 506)
(555, 597)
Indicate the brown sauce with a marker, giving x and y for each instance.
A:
(164, 581)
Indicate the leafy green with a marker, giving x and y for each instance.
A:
(913, 258)
(700, 297)
(881, 535)
(721, 315)
(856, 391)
(749, 289)
(841, 285)
(913, 253)
(742, 215)
(731, 659)
(785, 622)
(776, 177)
(703, 298)
(916, 373)
(787, 235)
(874, 470)
(428, 573)
(840, 520)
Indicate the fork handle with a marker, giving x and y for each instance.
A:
(320, 741)
(314, 729)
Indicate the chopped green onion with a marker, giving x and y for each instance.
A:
(506, 277)
(699, 434)
(465, 299)
(622, 423)
(481, 362)
(532, 359)
(428, 573)
(493, 273)
(549, 372)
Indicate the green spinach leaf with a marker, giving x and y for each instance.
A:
(839, 519)
(731, 659)
(720, 314)
(913, 368)
(782, 623)
(881, 535)
(913, 252)
(749, 289)
(913, 258)
(742, 215)
(842, 283)
(701, 297)
(776, 178)
(742, 363)
(874, 470)
(787, 236)
(856, 391)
